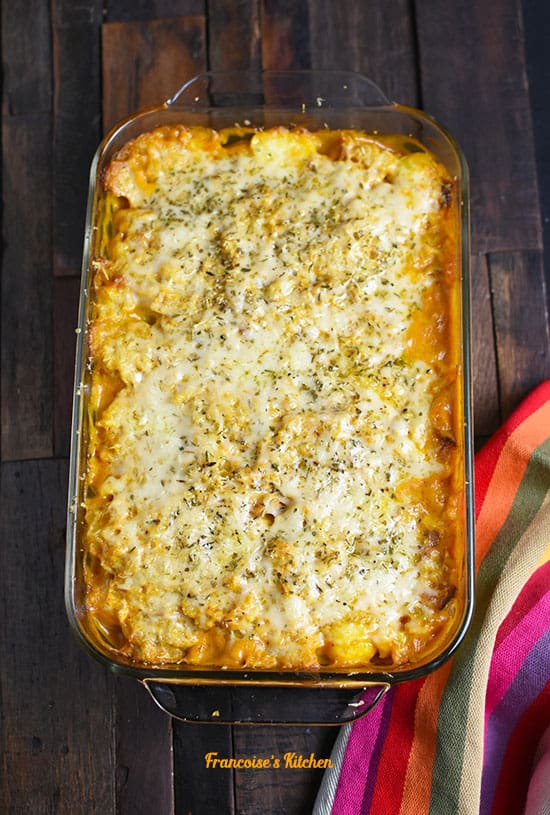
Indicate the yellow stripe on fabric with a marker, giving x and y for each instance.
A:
(520, 566)
(545, 558)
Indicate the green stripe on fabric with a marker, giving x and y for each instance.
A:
(451, 748)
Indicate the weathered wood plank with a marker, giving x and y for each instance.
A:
(521, 324)
(486, 395)
(27, 410)
(144, 63)
(199, 789)
(536, 24)
(57, 719)
(285, 790)
(132, 10)
(67, 13)
(26, 57)
(65, 318)
(480, 93)
(375, 39)
(77, 123)
(284, 27)
(144, 776)
(233, 35)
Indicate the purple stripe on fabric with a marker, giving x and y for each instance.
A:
(513, 650)
(375, 758)
(356, 765)
(528, 683)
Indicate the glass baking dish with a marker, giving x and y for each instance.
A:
(313, 100)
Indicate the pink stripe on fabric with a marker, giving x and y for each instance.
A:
(357, 760)
(512, 652)
(372, 770)
(536, 586)
(528, 685)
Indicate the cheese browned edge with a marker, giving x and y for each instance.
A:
(274, 462)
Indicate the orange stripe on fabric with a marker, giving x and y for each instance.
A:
(416, 796)
(487, 457)
(507, 477)
(486, 460)
(395, 752)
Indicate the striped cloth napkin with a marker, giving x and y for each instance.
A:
(473, 738)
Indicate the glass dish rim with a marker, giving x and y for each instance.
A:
(190, 675)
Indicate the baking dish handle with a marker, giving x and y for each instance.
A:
(300, 89)
(263, 704)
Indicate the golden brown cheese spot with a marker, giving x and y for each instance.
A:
(273, 476)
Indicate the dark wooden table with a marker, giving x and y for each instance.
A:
(74, 738)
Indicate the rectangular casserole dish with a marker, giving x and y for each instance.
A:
(249, 111)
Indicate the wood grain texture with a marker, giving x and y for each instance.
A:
(144, 776)
(57, 722)
(521, 324)
(26, 337)
(486, 394)
(67, 13)
(200, 790)
(375, 39)
(65, 318)
(284, 27)
(77, 123)
(284, 790)
(132, 10)
(474, 81)
(536, 19)
(233, 35)
(26, 57)
(144, 63)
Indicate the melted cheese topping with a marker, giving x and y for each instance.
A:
(272, 460)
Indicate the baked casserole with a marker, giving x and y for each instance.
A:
(274, 464)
